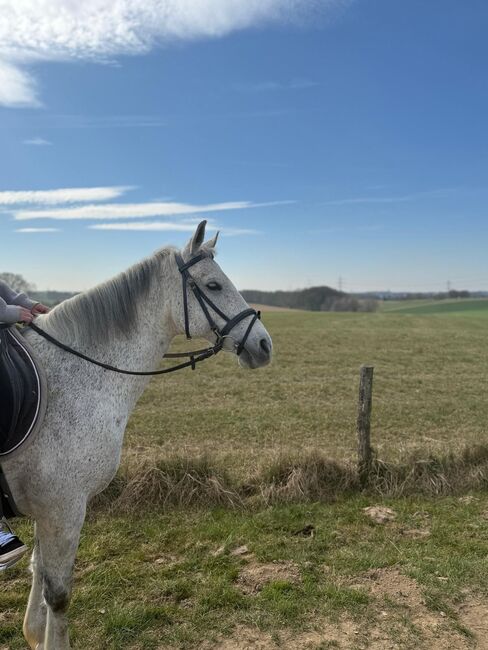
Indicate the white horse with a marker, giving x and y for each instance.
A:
(128, 322)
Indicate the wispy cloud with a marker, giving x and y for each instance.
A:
(145, 226)
(119, 121)
(341, 229)
(60, 196)
(63, 30)
(237, 232)
(168, 226)
(28, 230)
(38, 142)
(139, 210)
(49, 121)
(391, 199)
(272, 86)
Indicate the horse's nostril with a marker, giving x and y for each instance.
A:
(264, 346)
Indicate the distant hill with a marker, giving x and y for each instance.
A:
(312, 299)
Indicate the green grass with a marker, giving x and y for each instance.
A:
(166, 577)
(429, 392)
(462, 306)
(170, 580)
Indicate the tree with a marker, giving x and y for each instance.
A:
(17, 282)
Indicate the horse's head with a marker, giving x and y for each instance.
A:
(209, 306)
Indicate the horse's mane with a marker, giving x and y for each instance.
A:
(108, 309)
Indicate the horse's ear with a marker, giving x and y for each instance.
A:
(212, 243)
(197, 240)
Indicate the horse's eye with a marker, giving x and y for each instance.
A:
(214, 286)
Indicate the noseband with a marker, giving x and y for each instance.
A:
(196, 355)
(204, 301)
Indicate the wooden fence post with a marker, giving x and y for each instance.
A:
(364, 423)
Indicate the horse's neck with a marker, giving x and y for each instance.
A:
(149, 340)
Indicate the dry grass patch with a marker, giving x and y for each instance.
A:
(434, 475)
(150, 482)
(254, 576)
(310, 477)
(170, 482)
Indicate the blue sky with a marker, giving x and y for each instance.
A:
(325, 139)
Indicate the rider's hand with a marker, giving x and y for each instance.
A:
(25, 316)
(39, 308)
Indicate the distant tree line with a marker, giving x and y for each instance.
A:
(18, 283)
(312, 299)
(51, 298)
(424, 295)
(458, 294)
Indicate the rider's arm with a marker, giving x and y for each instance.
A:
(9, 313)
(13, 298)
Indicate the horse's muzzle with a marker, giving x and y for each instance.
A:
(257, 353)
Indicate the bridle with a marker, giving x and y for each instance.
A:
(204, 301)
(195, 356)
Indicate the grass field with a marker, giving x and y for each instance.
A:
(431, 376)
(462, 307)
(294, 575)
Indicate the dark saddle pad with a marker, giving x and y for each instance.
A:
(21, 391)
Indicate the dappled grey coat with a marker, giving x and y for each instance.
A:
(11, 304)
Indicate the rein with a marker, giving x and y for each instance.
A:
(195, 356)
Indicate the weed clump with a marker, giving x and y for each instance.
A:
(433, 475)
(144, 483)
(313, 477)
(175, 482)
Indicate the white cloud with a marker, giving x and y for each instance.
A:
(139, 210)
(38, 142)
(54, 30)
(37, 230)
(146, 226)
(17, 87)
(60, 196)
(271, 86)
(168, 226)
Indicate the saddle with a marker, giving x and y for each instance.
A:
(23, 399)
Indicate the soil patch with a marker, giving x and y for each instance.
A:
(473, 614)
(399, 618)
(253, 577)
